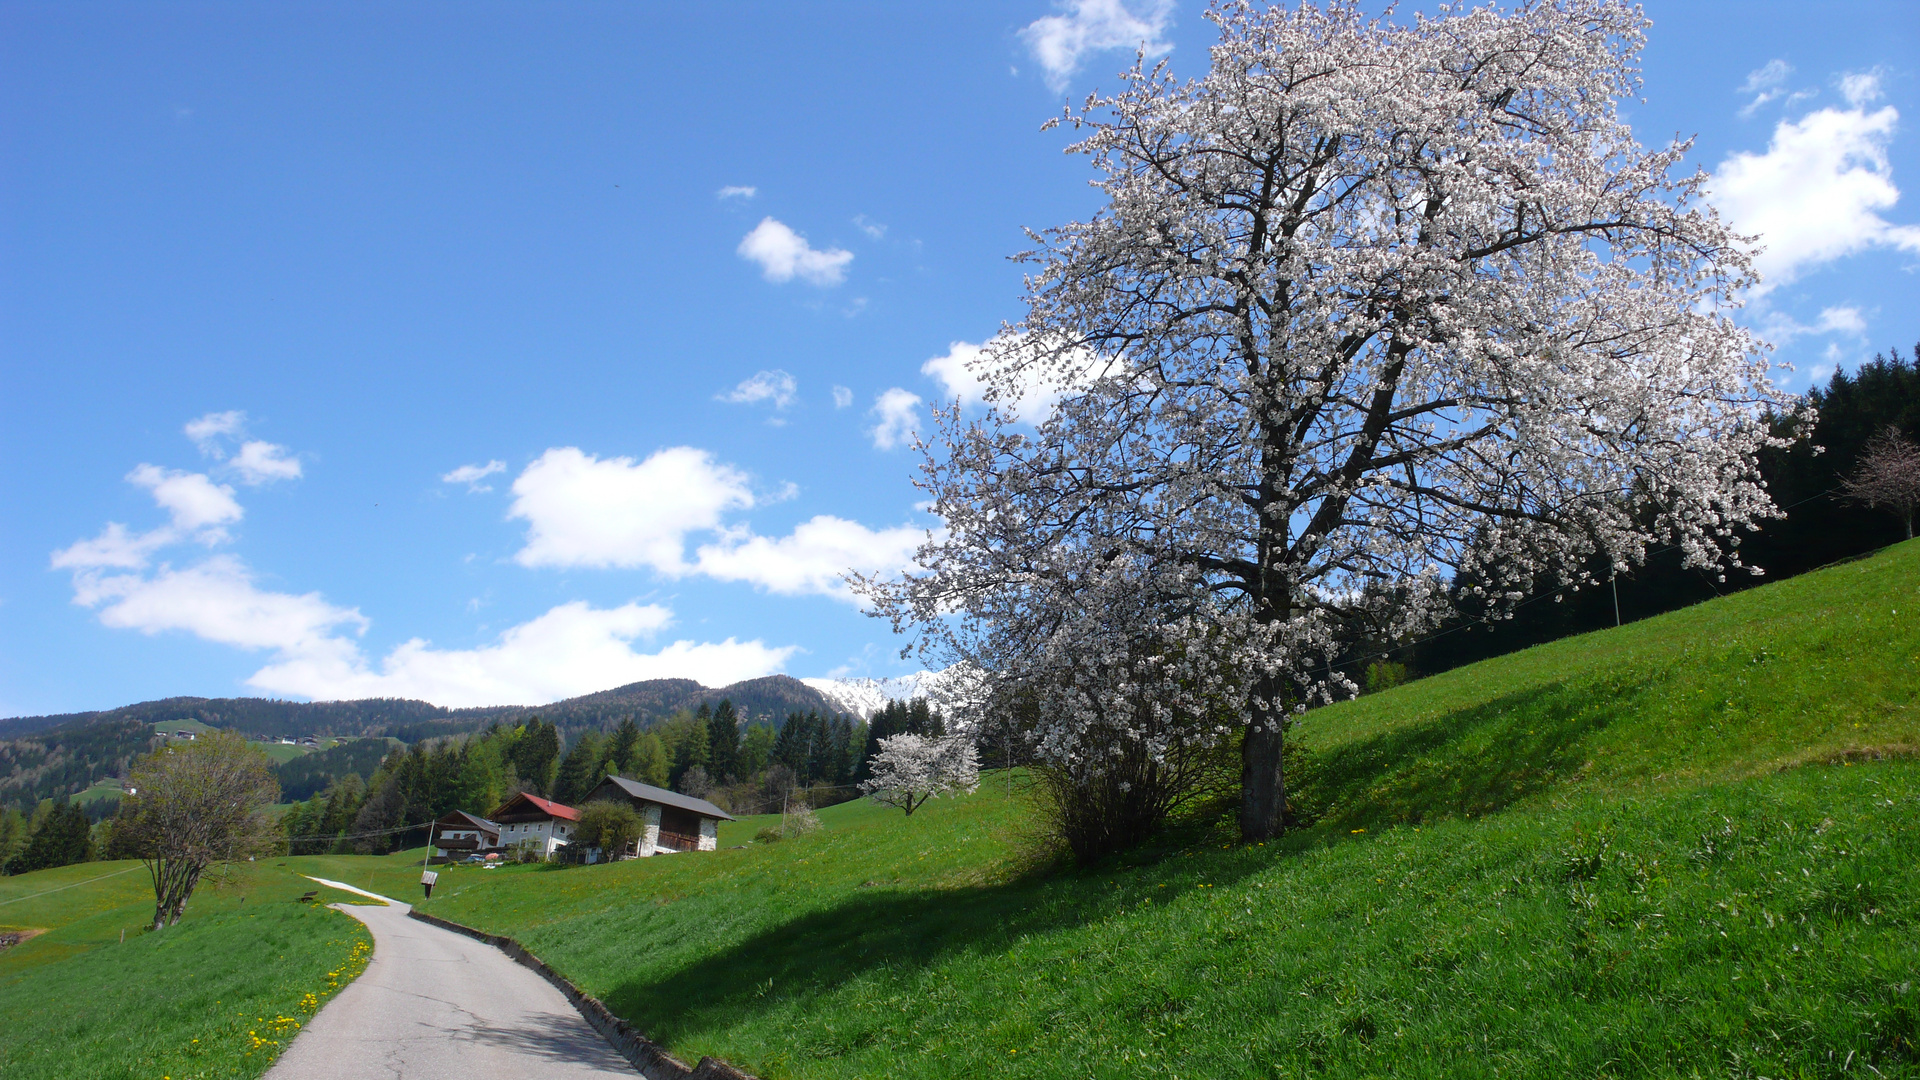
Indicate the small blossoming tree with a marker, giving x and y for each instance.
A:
(1369, 305)
(910, 769)
(1888, 476)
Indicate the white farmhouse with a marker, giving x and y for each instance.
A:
(530, 818)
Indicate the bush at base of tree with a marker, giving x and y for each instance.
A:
(609, 826)
(1102, 806)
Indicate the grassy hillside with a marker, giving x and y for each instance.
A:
(218, 995)
(1687, 847)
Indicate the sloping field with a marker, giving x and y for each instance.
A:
(1688, 847)
(218, 995)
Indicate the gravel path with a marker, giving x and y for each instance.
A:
(436, 1005)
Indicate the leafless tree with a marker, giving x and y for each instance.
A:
(194, 805)
(1888, 476)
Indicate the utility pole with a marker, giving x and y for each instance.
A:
(428, 877)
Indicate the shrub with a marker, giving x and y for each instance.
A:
(608, 825)
(1102, 804)
(1385, 675)
(800, 820)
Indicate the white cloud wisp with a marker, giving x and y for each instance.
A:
(814, 560)
(474, 476)
(775, 386)
(1060, 42)
(898, 412)
(783, 255)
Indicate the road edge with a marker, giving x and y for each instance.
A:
(648, 1056)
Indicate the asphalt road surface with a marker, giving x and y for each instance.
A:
(436, 1005)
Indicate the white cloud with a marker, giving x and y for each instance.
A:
(784, 255)
(1060, 41)
(1861, 88)
(1842, 320)
(571, 650)
(1816, 194)
(736, 191)
(1781, 329)
(115, 548)
(899, 413)
(588, 512)
(776, 386)
(199, 510)
(1043, 378)
(1765, 84)
(218, 601)
(207, 430)
(842, 397)
(473, 475)
(264, 462)
(814, 559)
(196, 503)
(874, 229)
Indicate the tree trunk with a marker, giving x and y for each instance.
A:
(1263, 782)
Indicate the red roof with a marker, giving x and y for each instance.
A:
(544, 806)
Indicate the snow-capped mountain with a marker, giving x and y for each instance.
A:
(864, 697)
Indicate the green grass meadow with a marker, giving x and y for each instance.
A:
(1688, 847)
(218, 995)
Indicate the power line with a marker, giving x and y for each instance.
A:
(75, 885)
(1391, 649)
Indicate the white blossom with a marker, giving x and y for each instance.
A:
(910, 769)
(1373, 305)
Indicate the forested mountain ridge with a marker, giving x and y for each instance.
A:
(51, 756)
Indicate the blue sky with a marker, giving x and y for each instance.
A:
(495, 353)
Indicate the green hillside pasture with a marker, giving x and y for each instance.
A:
(246, 967)
(218, 995)
(1687, 847)
(1819, 667)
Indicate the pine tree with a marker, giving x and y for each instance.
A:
(63, 837)
(535, 754)
(579, 772)
(791, 745)
(723, 742)
(650, 764)
(626, 738)
(820, 755)
(838, 769)
(691, 749)
(756, 751)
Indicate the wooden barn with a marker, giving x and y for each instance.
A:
(673, 822)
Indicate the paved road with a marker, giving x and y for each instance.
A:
(436, 1005)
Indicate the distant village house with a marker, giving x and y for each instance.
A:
(461, 834)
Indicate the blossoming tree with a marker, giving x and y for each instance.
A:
(910, 769)
(1368, 305)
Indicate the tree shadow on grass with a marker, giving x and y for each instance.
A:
(898, 933)
(1462, 764)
